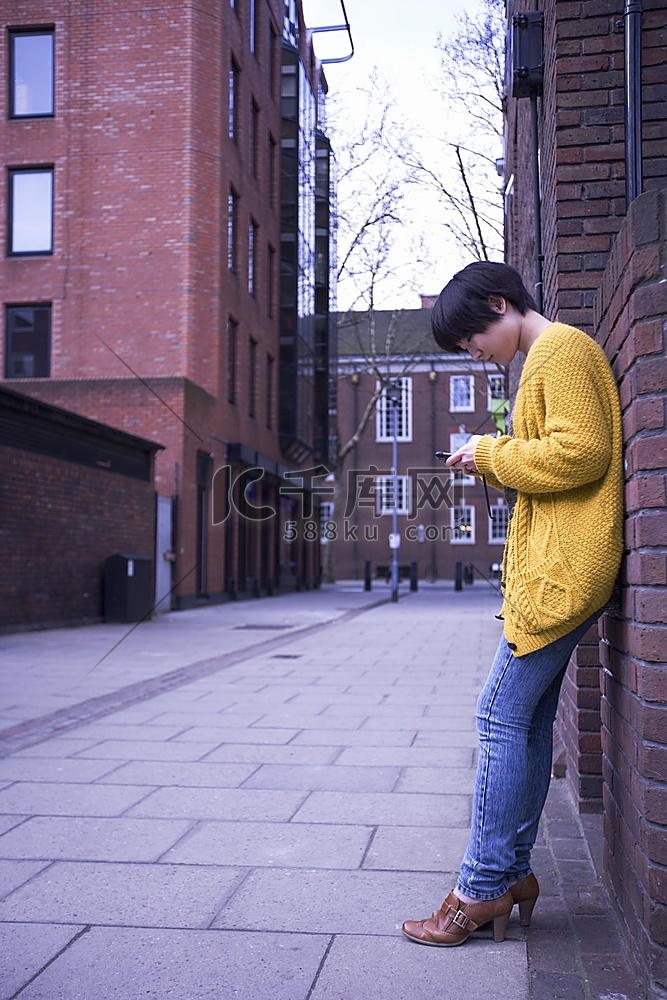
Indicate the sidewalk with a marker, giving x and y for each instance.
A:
(260, 826)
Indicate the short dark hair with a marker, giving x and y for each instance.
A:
(463, 308)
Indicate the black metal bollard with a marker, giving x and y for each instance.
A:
(368, 579)
(468, 574)
(458, 576)
(414, 585)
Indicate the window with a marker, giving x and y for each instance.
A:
(254, 152)
(31, 80)
(252, 377)
(232, 216)
(234, 74)
(253, 26)
(461, 389)
(252, 257)
(232, 347)
(273, 147)
(457, 441)
(499, 524)
(273, 59)
(270, 364)
(31, 210)
(28, 342)
(384, 414)
(384, 494)
(271, 280)
(462, 522)
(495, 389)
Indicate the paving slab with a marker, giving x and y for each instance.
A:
(56, 769)
(123, 895)
(313, 777)
(23, 952)
(392, 968)
(441, 780)
(59, 746)
(371, 904)
(176, 773)
(233, 803)
(145, 750)
(419, 849)
(301, 720)
(87, 839)
(128, 731)
(238, 735)
(374, 808)
(295, 845)
(272, 754)
(35, 798)
(125, 964)
(354, 738)
(16, 873)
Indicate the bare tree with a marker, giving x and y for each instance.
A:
(375, 244)
(460, 166)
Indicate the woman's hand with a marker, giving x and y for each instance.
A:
(463, 460)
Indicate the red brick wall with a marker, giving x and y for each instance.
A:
(59, 521)
(143, 165)
(579, 723)
(630, 313)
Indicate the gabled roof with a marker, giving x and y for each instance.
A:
(411, 332)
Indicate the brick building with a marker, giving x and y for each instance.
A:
(72, 493)
(442, 517)
(602, 139)
(159, 276)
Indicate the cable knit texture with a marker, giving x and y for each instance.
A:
(565, 458)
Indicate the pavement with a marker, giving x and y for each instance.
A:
(246, 801)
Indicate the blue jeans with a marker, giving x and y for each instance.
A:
(515, 716)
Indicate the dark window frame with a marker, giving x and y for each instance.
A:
(232, 358)
(13, 33)
(271, 280)
(233, 230)
(252, 376)
(253, 242)
(255, 137)
(11, 173)
(10, 308)
(233, 99)
(270, 375)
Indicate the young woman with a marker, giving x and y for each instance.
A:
(561, 470)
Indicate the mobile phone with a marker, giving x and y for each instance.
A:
(442, 456)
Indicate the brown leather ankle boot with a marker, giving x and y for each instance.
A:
(525, 893)
(455, 920)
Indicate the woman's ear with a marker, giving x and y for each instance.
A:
(498, 304)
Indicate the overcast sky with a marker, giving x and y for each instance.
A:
(400, 39)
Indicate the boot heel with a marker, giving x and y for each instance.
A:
(526, 908)
(500, 926)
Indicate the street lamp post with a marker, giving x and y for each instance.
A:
(394, 394)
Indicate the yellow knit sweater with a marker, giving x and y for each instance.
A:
(565, 459)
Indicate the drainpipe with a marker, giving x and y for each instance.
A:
(633, 100)
(537, 202)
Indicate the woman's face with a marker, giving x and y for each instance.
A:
(499, 342)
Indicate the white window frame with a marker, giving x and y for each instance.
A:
(491, 393)
(326, 515)
(494, 523)
(454, 405)
(383, 429)
(31, 210)
(469, 540)
(384, 500)
(457, 441)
